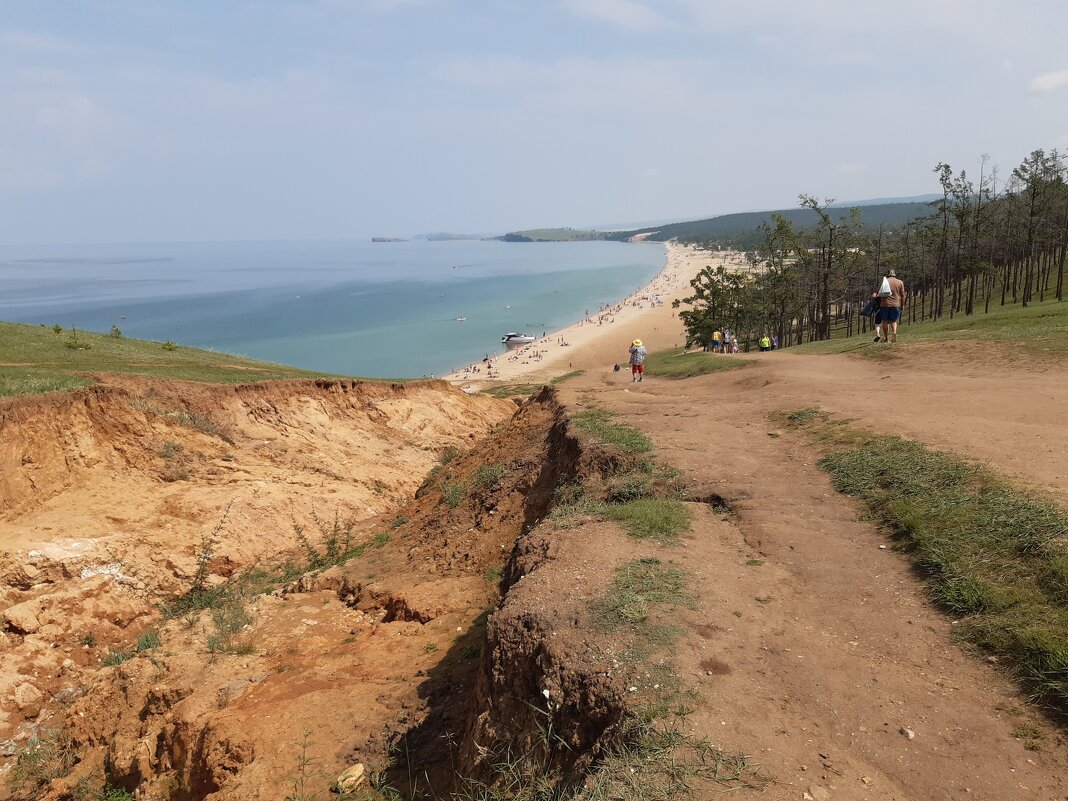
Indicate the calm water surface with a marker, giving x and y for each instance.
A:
(355, 308)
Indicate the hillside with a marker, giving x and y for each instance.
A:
(551, 235)
(741, 231)
(738, 231)
(38, 359)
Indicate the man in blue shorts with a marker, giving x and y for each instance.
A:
(890, 307)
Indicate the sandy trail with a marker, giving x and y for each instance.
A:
(816, 657)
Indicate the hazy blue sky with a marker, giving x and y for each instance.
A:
(138, 120)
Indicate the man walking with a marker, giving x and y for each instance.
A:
(890, 305)
(637, 361)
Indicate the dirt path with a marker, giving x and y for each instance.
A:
(818, 647)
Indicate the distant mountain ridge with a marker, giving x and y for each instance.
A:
(739, 230)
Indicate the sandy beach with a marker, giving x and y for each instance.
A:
(602, 339)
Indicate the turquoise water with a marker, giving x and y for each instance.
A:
(355, 308)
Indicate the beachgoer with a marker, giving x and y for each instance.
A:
(765, 343)
(637, 361)
(890, 306)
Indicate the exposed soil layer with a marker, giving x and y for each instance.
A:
(110, 495)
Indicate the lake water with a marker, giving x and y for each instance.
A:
(354, 308)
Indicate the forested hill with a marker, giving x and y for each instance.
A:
(742, 231)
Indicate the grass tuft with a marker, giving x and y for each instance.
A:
(678, 364)
(598, 423)
(636, 588)
(651, 518)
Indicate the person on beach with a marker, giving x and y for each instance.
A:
(637, 361)
(890, 305)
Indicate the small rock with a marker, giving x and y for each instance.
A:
(820, 793)
(907, 733)
(22, 618)
(68, 695)
(8, 748)
(28, 699)
(545, 693)
(866, 779)
(351, 778)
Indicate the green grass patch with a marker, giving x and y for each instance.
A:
(512, 390)
(1040, 330)
(46, 361)
(567, 377)
(994, 555)
(598, 423)
(636, 589)
(117, 658)
(230, 620)
(148, 640)
(678, 363)
(487, 475)
(651, 518)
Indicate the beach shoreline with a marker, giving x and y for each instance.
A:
(645, 314)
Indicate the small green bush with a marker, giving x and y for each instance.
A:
(453, 493)
(116, 658)
(148, 640)
(487, 475)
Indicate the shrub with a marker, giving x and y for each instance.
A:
(488, 475)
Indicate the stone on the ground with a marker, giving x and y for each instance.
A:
(28, 699)
(8, 748)
(907, 733)
(22, 618)
(351, 778)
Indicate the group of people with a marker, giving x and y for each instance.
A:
(724, 341)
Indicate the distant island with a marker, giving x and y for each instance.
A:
(387, 239)
(552, 235)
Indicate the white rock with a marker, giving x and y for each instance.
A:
(907, 733)
(351, 778)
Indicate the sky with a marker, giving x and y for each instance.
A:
(145, 120)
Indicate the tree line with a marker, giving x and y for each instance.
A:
(984, 242)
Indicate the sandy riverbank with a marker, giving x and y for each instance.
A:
(603, 338)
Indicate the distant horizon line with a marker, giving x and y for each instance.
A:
(461, 236)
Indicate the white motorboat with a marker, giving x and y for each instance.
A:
(513, 338)
(460, 319)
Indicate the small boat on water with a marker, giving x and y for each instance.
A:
(460, 319)
(513, 338)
